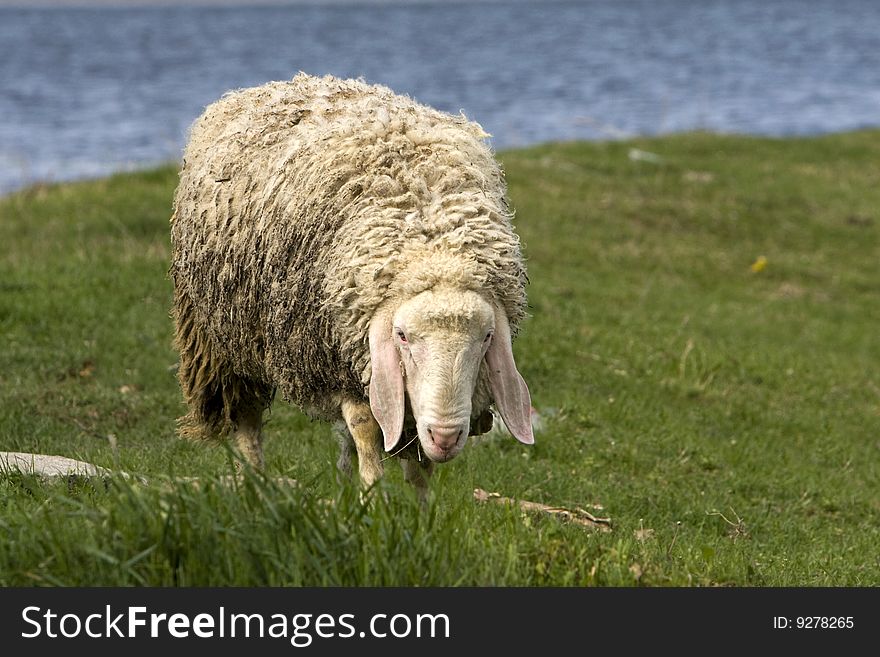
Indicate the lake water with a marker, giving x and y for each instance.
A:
(88, 91)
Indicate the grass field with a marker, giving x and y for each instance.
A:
(703, 346)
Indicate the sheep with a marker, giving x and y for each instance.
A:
(354, 250)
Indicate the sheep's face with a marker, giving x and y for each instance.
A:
(433, 348)
(441, 338)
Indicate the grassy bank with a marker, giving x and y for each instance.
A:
(703, 347)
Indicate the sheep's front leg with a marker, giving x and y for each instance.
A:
(417, 473)
(367, 440)
(346, 449)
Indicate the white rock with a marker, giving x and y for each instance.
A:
(48, 466)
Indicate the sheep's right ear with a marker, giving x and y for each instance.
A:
(386, 382)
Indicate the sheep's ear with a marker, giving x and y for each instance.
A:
(509, 390)
(386, 382)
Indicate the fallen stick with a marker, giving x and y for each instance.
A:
(577, 516)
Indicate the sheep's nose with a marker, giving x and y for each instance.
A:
(445, 437)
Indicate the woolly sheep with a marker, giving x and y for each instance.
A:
(354, 250)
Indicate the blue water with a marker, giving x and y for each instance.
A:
(88, 91)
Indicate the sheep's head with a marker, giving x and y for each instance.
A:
(430, 349)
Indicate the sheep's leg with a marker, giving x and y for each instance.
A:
(248, 436)
(367, 440)
(417, 473)
(346, 449)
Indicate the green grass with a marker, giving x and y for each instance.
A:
(728, 421)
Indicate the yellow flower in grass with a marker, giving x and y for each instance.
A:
(759, 264)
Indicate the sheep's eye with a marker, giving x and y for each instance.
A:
(488, 337)
(402, 336)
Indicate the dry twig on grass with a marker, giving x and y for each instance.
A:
(577, 516)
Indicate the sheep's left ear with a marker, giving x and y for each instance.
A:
(509, 390)
(386, 382)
